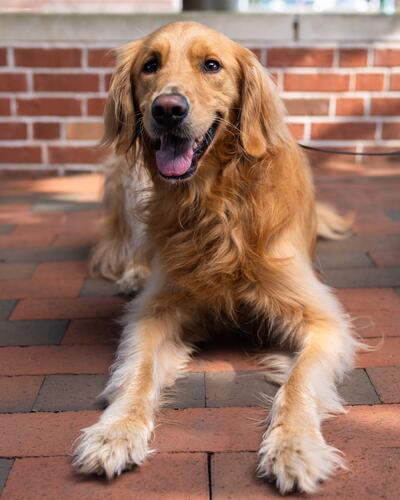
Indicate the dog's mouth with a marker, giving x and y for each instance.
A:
(177, 157)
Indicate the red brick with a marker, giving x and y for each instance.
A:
(178, 476)
(209, 429)
(274, 77)
(92, 331)
(90, 238)
(385, 106)
(5, 109)
(95, 106)
(384, 228)
(66, 82)
(16, 270)
(107, 81)
(301, 57)
(75, 154)
(68, 308)
(369, 299)
(375, 312)
(58, 270)
(234, 477)
(359, 428)
(101, 58)
(20, 154)
(343, 131)
(333, 82)
(12, 130)
(3, 57)
(44, 360)
(395, 82)
(43, 130)
(386, 381)
(19, 393)
(297, 130)
(189, 430)
(39, 434)
(353, 57)
(43, 239)
(48, 106)
(387, 354)
(385, 258)
(387, 57)
(391, 130)
(39, 288)
(221, 360)
(12, 82)
(369, 81)
(307, 107)
(43, 231)
(47, 58)
(349, 106)
(257, 53)
(85, 130)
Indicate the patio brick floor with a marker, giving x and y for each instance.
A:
(58, 337)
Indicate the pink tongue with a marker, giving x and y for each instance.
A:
(174, 159)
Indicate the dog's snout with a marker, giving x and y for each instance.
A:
(170, 109)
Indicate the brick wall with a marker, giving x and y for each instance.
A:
(52, 98)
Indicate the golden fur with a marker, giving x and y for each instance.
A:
(236, 238)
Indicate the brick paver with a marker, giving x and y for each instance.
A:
(35, 332)
(58, 334)
(177, 476)
(386, 380)
(18, 394)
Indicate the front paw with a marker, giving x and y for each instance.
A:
(297, 459)
(111, 448)
(133, 279)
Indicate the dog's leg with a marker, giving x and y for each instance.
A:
(293, 451)
(149, 358)
(120, 255)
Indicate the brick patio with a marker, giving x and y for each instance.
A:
(58, 336)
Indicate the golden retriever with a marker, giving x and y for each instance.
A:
(226, 230)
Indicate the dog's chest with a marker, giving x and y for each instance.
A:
(213, 260)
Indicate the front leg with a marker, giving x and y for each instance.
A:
(293, 451)
(149, 358)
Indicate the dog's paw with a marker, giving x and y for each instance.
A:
(297, 459)
(133, 279)
(110, 449)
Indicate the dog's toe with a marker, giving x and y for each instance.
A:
(297, 460)
(110, 449)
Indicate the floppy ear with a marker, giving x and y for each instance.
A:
(262, 125)
(119, 112)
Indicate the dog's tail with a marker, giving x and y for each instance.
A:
(330, 224)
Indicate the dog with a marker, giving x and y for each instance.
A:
(210, 207)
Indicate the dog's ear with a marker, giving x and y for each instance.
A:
(119, 112)
(262, 126)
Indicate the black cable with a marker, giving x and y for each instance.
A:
(349, 153)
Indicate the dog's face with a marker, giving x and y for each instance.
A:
(179, 89)
(186, 82)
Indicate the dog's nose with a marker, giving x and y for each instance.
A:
(169, 109)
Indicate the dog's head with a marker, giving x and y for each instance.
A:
(177, 92)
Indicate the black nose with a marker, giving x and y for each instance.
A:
(169, 109)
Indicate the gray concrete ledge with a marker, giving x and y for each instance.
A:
(245, 27)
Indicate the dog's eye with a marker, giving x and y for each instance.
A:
(211, 66)
(151, 66)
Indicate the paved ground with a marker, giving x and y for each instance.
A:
(58, 337)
